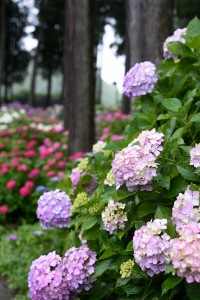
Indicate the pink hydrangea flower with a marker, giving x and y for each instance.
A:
(185, 252)
(195, 156)
(11, 184)
(151, 247)
(3, 209)
(33, 173)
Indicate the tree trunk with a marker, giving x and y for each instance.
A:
(48, 98)
(149, 22)
(31, 99)
(2, 41)
(79, 76)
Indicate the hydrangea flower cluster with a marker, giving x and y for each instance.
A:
(83, 165)
(195, 156)
(54, 209)
(185, 252)
(114, 217)
(140, 79)
(126, 268)
(98, 146)
(45, 279)
(81, 199)
(184, 210)
(151, 247)
(176, 37)
(78, 267)
(135, 165)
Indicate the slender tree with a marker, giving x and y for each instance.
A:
(79, 75)
(2, 41)
(148, 23)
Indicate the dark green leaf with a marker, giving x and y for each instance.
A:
(179, 49)
(170, 283)
(193, 291)
(102, 267)
(187, 171)
(89, 222)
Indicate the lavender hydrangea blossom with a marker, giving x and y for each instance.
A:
(78, 267)
(135, 165)
(186, 209)
(176, 37)
(151, 247)
(45, 279)
(140, 79)
(75, 177)
(54, 209)
(114, 217)
(195, 156)
(185, 252)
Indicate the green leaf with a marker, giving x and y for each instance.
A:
(179, 49)
(163, 117)
(116, 145)
(193, 28)
(89, 222)
(177, 185)
(122, 281)
(130, 289)
(102, 267)
(193, 291)
(170, 283)
(148, 106)
(163, 212)
(146, 208)
(107, 253)
(195, 118)
(187, 171)
(172, 104)
(165, 182)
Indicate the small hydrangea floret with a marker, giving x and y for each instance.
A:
(114, 217)
(126, 268)
(186, 209)
(135, 165)
(45, 279)
(78, 268)
(176, 37)
(140, 79)
(54, 209)
(185, 252)
(151, 247)
(195, 156)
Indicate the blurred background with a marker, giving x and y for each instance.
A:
(33, 44)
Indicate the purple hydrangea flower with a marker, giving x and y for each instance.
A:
(75, 177)
(78, 267)
(54, 209)
(114, 217)
(12, 237)
(45, 279)
(176, 37)
(151, 247)
(140, 79)
(186, 209)
(135, 165)
(195, 156)
(185, 252)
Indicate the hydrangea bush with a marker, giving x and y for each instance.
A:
(140, 220)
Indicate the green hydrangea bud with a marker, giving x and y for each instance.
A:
(110, 179)
(83, 165)
(93, 209)
(126, 268)
(81, 199)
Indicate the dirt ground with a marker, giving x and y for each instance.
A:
(5, 294)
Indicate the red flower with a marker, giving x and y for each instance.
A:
(75, 156)
(11, 184)
(3, 209)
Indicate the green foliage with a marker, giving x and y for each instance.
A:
(173, 109)
(16, 256)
